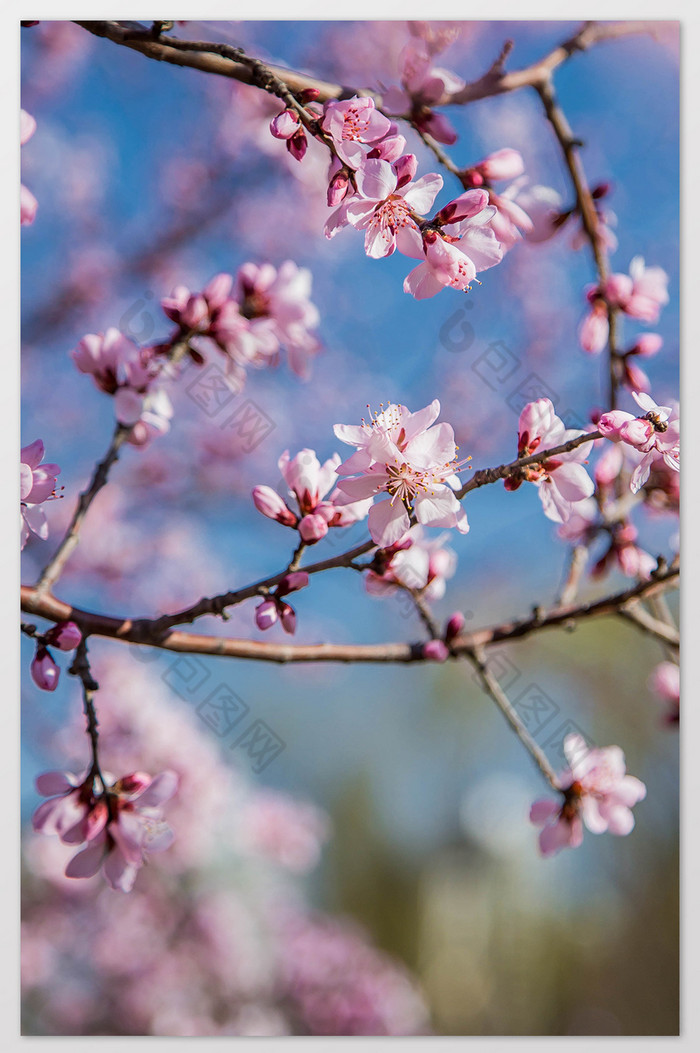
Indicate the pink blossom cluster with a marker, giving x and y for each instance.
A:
(597, 793)
(655, 434)
(37, 484)
(28, 203)
(251, 317)
(119, 823)
(410, 459)
(321, 505)
(44, 671)
(131, 375)
(562, 481)
(640, 294)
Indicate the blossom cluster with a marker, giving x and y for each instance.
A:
(597, 793)
(118, 821)
(251, 317)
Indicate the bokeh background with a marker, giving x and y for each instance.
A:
(149, 176)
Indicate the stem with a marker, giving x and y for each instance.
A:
(81, 669)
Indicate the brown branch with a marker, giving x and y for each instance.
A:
(226, 61)
(494, 689)
(149, 632)
(637, 613)
(484, 476)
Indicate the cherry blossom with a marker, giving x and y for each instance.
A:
(597, 793)
(37, 485)
(387, 206)
(623, 551)
(562, 481)
(403, 455)
(656, 434)
(310, 485)
(641, 294)
(422, 85)
(121, 824)
(354, 124)
(44, 671)
(456, 246)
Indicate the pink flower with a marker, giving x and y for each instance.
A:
(309, 484)
(28, 203)
(665, 681)
(641, 294)
(37, 485)
(581, 526)
(402, 455)
(277, 304)
(456, 248)
(135, 827)
(113, 361)
(352, 125)
(436, 651)
(387, 206)
(595, 327)
(597, 792)
(276, 609)
(422, 85)
(562, 481)
(656, 435)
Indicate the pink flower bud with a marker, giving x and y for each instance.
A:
(285, 124)
(270, 503)
(463, 207)
(44, 670)
(609, 424)
(288, 618)
(405, 168)
(266, 614)
(435, 651)
(593, 331)
(66, 636)
(637, 432)
(312, 528)
(647, 344)
(308, 95)
(454, 626)
(609, 466)
(503, 164)
(338, 187)
(297, 145)
(194, 312)
(437, 125)
(298, 579)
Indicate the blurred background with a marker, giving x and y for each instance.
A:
(379, 876)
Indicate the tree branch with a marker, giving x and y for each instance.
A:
(149, 632)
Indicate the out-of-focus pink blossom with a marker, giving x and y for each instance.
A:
(665, 681)
(415, 562)
(436, 651)
(633, 376)
(597, 793)
(401, 454)
(28, 203)
(37, 485)
(623, 552)
(292, 833)
(562, 481)
(595, 328)
(641, 294)
(422, 85)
